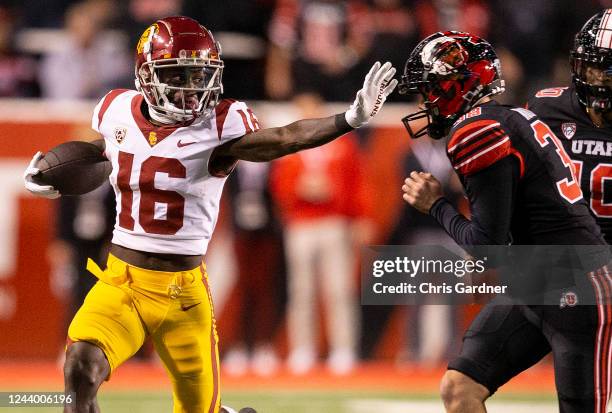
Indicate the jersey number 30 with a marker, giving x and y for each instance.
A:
(568, 189)
(599, 175)
(149, 195)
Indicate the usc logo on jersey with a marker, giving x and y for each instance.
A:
(152, 138)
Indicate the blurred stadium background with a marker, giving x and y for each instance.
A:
(288, 59)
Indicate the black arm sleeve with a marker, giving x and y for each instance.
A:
(491, 192)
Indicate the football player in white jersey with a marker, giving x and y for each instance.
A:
(172, 144)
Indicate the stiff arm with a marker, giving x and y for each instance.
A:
(268, 144)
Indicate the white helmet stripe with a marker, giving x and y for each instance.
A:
(148, 46)
(604, 34)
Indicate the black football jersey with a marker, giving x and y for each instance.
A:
(589, 147)
(549, 207)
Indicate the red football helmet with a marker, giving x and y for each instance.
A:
(179, 69)
(452, 71)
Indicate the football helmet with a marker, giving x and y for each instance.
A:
(186, 49)
(452, 71)
(592, 47)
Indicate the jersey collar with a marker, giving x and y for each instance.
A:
(152, 133)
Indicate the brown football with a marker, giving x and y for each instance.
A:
(73, 168)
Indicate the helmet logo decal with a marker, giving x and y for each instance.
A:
(146, 38)
(443, 56)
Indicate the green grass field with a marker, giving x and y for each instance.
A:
(378, 387)
(310, 402)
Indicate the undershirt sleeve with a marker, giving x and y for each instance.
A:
(492, 192)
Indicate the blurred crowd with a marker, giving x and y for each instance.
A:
(81, 48)
(297, 224)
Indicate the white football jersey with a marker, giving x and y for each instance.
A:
(167, 196)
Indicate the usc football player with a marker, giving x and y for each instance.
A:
(172, 143)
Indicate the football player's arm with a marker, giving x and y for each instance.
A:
(491, 203)
(268, 144)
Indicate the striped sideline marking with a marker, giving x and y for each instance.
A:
(405, 406)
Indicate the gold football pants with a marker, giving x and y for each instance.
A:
(175, 309)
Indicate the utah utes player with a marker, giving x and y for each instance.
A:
(581, 115)
(172, 143)
(522, 190)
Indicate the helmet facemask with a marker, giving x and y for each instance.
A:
(181, 89)
(594, 94)
(437, 124)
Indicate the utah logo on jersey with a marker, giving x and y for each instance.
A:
(568, 299)
(120, 133)
(568, 129)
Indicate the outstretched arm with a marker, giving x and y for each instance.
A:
(267, 144)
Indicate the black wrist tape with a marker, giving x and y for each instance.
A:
(341, 123)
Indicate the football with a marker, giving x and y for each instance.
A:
(73, 168)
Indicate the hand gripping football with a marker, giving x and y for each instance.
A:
(73, 168)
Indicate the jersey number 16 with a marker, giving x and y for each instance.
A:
(149, 195)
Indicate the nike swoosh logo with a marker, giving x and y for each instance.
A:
(187, 307)
(181, 144)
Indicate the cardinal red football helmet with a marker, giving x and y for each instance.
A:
(452, 71)
(183, 45)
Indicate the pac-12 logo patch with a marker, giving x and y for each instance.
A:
(568, 299)
(120, 133)
(568, 129)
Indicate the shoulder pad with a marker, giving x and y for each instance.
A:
(478, 145)
(234, 119)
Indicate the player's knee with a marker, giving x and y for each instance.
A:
(458, 390)
(85, 365)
